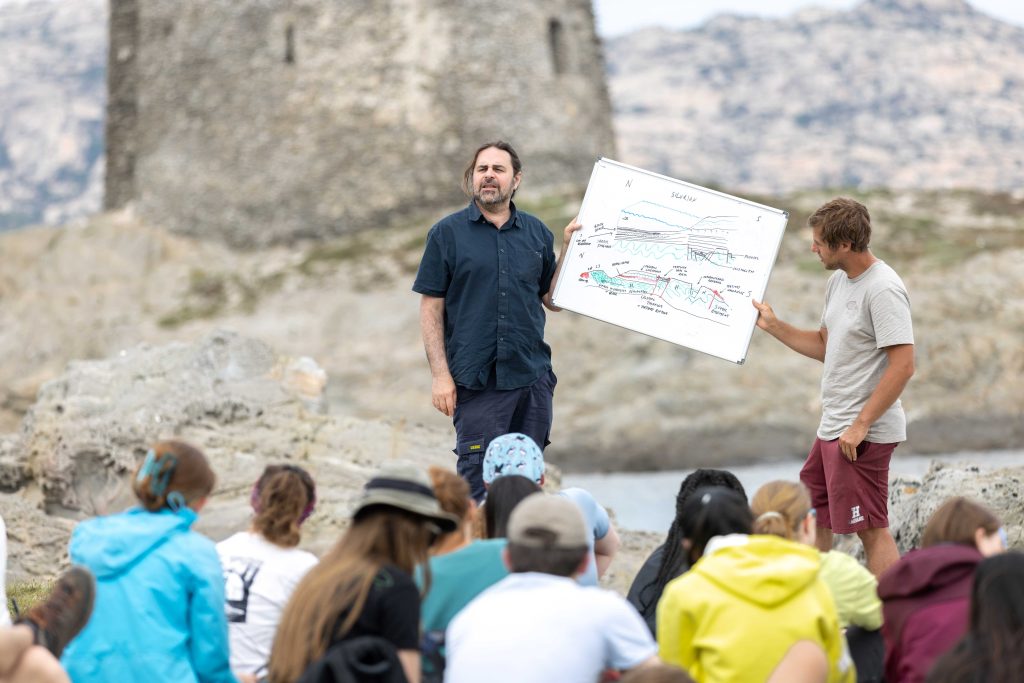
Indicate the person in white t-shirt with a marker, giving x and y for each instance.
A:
(262, 566)
(538, 624)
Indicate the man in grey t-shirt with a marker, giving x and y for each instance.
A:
(866, 342)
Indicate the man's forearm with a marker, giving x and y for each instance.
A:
(810, 343)
(432, 328)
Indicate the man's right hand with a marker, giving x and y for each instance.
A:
(766, 318)
(442, 393)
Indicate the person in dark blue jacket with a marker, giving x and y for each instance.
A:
(159, 610)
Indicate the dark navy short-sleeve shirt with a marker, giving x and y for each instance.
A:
(492, 282)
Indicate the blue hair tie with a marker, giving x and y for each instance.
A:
(175, 501)
(159, 471)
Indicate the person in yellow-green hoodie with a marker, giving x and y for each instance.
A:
(783, 508)
(746, 601)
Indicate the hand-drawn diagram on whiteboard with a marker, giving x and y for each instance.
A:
(670, 259)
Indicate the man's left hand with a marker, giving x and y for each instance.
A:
(573, 226)
(850, 439)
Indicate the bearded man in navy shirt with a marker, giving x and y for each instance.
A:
(487, 273)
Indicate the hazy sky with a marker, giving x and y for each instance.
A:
(619, 16)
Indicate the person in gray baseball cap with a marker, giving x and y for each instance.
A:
(538, 624)
(363, 586)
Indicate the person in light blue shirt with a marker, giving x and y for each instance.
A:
(515, 453)
(159, 609)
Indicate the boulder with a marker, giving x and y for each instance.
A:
(912, 502)
(232, 396)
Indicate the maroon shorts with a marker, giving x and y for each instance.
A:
(849, 496)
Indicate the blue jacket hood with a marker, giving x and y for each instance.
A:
(113, 544)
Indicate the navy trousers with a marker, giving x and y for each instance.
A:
(483, 414)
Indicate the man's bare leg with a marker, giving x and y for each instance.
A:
(823, 540)
(880, 549)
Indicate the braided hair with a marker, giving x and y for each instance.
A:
(674, 560)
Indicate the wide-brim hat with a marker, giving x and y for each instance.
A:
(405, 487)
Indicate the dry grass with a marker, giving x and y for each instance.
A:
(27, 593)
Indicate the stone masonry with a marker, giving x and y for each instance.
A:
(269, 120)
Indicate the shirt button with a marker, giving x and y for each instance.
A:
(501, 251)
(502, 317)
(501, 339)
(503, 293)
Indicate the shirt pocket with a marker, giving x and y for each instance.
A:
(529, 264)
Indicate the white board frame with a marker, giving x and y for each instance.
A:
(569, 282)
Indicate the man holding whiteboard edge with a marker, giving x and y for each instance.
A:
(487, 273)
(866, 343)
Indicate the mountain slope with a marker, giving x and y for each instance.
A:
(52, 94)
(893, 93)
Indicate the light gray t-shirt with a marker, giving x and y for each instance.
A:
(863, 316)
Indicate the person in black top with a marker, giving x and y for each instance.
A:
(669, 560)
(363, 586)
(487, 273)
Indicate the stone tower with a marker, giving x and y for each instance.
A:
(259, 121)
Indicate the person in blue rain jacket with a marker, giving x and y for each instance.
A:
(159, 611)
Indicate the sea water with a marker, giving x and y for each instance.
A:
(646, 501)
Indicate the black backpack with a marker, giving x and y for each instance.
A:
(364, 659)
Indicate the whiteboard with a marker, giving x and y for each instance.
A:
(670, 259)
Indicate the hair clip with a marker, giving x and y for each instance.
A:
(176, 501)
(770, 514)
(159, 471)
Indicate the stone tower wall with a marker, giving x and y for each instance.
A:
(268, 120)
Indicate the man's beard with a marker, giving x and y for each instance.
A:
(495, 199)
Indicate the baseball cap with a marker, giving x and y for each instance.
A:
(549, 522)
(404, 486)
(513, 453)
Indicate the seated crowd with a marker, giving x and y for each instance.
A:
(426, 586)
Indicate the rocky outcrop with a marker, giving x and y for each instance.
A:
(912, 502)
(623, 401)
(244, 405)
(232, 396)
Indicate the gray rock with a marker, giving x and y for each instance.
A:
(912, 502)
(37, 543)
(234, 397)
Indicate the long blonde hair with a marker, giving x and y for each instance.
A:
(339, 586)
(779, 507)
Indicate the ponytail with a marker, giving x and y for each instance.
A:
(780, 507)
(283, 497)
